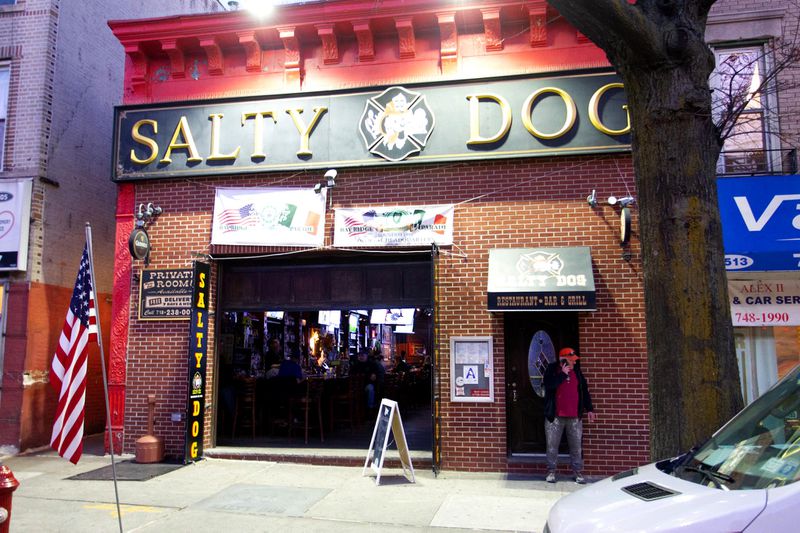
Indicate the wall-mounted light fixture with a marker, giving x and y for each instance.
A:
(625, 201)
(592, 199)
(139, 240)
(328, 183)
(146, 214)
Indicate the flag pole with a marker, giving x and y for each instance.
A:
(103, 366)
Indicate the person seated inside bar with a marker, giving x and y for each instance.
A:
(373, 372)
(274, 355)
(291, 367)
(400, 364)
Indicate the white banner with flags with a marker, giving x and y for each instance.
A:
(269, 217)
(765, 302)
(394, 226)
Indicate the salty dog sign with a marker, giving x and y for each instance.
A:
(198, 356)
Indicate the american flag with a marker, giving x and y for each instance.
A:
(243, 216)
(355, 227)
(68, 371)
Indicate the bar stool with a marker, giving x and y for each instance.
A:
(310, 399)
(245, 410)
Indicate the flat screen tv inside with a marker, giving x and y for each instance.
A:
(403, 328)
(392, 316)
(330, 318)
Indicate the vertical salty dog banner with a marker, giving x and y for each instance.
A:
(269, 217)
(198, 357)
(416, 225)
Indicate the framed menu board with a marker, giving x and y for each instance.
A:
(471, 369)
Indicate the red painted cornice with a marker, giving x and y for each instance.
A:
(344, 43)
(305, 14)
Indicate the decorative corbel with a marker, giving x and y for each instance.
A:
(492, 29)
(448, 38)
(139, 64)
(538, 22)
(213, 54)
(291, 63)
(366, 46)
(405, 37)
(582, 39)
(330, 46)
(176, 58)
(252, 50)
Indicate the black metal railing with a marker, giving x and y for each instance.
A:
(754, 162)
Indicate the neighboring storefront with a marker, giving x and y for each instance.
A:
(761, 229)
(465, 231)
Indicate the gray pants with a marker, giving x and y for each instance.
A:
(553, 431)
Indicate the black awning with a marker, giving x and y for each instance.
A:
(541, 279)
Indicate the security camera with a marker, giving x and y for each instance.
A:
(330, 178)
(625, 202)
(318, 188)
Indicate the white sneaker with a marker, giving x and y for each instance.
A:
(579, 479)
(551, 477)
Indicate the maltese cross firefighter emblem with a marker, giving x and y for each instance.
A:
(396, 123)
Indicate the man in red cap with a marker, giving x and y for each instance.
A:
(566, 398)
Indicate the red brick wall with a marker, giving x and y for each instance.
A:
(523, 203)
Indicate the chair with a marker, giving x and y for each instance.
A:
(280, 390)
(342, 403)
(310, 399)
(359, 401)
(245, 411)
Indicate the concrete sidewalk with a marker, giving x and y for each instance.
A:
(232, 496)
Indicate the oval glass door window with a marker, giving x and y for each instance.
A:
(540, 354)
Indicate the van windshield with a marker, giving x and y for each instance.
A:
(759, 448)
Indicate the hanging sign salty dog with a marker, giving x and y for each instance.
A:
(198, 356)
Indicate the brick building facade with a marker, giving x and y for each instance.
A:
(533, 199)
(531, 202)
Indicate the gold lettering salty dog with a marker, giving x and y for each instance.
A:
(182, 138)
(475, 122)
(256, 124)
(475, 137)
(594, 111)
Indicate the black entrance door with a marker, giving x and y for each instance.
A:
(525, 406)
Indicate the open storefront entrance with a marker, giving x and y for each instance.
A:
(305, 351)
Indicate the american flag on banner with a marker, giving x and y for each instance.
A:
(354, 226)
(242, 216)
(68, 371)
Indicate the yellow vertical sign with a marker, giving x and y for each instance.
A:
(197, 361)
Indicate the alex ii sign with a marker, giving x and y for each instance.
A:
(486, 119)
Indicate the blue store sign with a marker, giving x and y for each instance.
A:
(760, 222)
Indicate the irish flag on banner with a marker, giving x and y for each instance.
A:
(268, 217)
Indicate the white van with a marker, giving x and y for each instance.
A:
(743, 479)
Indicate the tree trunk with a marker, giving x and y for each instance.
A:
(694, 376)
(657, 46)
